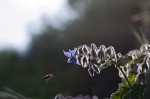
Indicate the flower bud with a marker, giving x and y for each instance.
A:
(59, 96)
(101, 54)
(145, 47)
(111, 54)
(135, 54)
(144, 67)
(84, 61)
(140, 79)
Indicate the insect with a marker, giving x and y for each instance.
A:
(48, 77)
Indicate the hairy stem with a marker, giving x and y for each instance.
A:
(126, 78)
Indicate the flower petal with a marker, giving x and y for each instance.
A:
(59, 96)
(94, 51)
(69, 60)
(67, 54)
(95, 68)
(101, 53)
(111, 54)
(84, 61)
(145, 65)
(85, 50)
(73, 52)
(145, 47)
(91, 71)
(134, 54)
(140, 78)
(73, 60)
(77, 62)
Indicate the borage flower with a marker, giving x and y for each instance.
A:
(140, 54)
(92, 57)
(72, 56)
(144, 67)
(88, 57)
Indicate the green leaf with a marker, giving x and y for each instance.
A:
(132, 78)
(124, 83)
(135, 92)
(120, 93)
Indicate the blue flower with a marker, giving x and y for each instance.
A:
(71, 56)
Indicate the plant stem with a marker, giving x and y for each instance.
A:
(126, 78)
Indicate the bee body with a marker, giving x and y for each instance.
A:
(48, 77)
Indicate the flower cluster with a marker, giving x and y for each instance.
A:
(133, 67)
(60, 96)
(93, 57)
(96, 58)
(141, 61)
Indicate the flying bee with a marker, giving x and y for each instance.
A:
(48, 77)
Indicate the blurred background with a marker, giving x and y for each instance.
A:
(34, 33)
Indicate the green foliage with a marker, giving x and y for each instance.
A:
(122, 91)
(133, 92)
(131, 87)
(124, 60)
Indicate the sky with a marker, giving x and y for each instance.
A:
(16, 15)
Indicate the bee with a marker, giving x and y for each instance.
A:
(48, 77)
